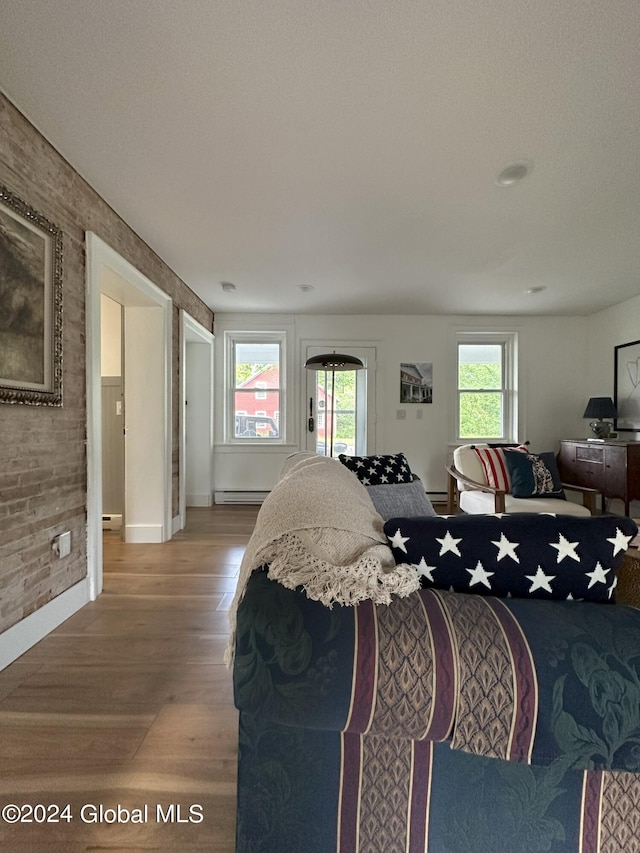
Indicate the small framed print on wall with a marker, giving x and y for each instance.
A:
(416, 382)
(30, 305)
(627, 387)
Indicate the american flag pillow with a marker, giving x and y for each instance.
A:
(380, 469)
(494, 465)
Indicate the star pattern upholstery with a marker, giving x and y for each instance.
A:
(524, 555)
(380, 469)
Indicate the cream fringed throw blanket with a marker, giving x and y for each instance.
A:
(318, 529)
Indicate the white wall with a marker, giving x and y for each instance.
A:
(553, 393)
(606, 330)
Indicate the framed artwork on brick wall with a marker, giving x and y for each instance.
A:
(30, 305)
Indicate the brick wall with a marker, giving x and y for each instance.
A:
(43, 472)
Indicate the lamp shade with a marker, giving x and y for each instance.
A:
(600, 407)
(333, 361)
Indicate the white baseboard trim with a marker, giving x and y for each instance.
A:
(143, 534)
(199, 500)
(176, 525)
(18, 639)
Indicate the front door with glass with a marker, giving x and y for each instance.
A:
(340, 408)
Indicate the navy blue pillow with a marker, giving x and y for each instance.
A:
(378, 470)
(534, 475)
(524, 555)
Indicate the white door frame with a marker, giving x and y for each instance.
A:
(109, 273)
(192, 332)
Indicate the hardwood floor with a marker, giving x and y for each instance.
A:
(129, 704)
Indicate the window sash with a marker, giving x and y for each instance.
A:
(485, 411)
(253, 412)
(503, 391)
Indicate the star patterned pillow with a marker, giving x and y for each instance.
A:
(522, 555)
(379, 470)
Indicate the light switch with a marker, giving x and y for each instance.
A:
(401, 414)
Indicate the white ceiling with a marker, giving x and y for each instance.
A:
(352, 145)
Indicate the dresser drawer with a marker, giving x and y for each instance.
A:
(588, 453)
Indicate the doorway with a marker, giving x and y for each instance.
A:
(147, 346)
(349, 412)
(196, 415)
(113, 420)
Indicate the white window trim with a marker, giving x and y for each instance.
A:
(509, 342)
(231, 338)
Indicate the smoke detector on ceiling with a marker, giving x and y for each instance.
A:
(514, 173)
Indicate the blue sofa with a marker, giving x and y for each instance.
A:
(443, 721)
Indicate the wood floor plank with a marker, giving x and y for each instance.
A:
(128, 702)
(192, 731)
(165, 584)
(148, 623)
(85, 648)
(147, 685)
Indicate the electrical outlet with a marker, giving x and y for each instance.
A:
(61, 544)
(401, 414)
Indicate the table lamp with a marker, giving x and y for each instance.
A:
(597, 409)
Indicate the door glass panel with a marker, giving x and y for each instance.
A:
(344, 401)
(336, 406)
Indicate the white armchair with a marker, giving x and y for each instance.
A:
(470, 490)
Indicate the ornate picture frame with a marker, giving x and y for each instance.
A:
(627, 387)
(30, 305)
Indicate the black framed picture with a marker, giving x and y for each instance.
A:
(416, 382)
(30, 305)
(627, 387)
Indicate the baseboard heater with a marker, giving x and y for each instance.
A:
(239, 497)
(225, 497)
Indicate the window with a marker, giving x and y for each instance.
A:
(486, 386)
(255, 385)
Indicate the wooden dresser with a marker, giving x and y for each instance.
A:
(612, 467)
